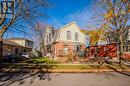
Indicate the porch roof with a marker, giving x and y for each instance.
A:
(8, 42)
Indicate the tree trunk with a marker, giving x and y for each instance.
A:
(1, 48)
(120, 49)
(2, 31)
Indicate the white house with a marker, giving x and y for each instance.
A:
(64, 41)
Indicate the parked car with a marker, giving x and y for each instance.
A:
(26, 55)
(12, 58)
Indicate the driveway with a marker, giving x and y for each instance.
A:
(64, 79)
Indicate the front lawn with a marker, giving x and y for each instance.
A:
(46, 63)
(41, 60)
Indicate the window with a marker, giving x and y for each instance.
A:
(28, 43)
(49, 36)
(76, 37)
(68, 35)
(77, 47)
(24, 50)
(16, 51)
(46, 39)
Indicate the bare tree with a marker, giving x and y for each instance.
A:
(39, 30)
(24, 13)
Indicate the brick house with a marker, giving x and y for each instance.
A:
(64, 41)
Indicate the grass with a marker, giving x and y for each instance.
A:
(34, 63)
(42, 60)
(52, 64)
(62, 66)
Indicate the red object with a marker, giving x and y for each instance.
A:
(126, 55)
(109, 50)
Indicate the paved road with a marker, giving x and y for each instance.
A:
(64, 79)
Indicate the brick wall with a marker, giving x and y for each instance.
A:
(64, 48)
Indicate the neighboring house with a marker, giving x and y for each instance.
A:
(16, 46)
(102, 40)
(64, 41)
(22, 41)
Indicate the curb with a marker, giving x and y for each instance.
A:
(85, 71)
(65, 70)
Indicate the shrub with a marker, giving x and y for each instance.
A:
(70, 58)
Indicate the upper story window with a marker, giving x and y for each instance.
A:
(46, 39)
(49, 37)
(68, 35)
(53, 33)
(28, 43)
(76, 37)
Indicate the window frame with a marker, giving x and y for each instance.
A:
(49, 37)
(76, 36)
(68, 35)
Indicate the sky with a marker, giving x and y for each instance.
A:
(62, 12)
(65, 11)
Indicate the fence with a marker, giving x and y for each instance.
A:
(109, 50)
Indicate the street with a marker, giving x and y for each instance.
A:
(64, 79)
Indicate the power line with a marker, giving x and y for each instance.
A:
(81, 10)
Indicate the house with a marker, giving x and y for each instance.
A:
(22, 41)
(66, 40)
(16, 46)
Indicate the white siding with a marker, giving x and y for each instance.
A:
(74, 29)
(21, 42)
(61, 34)
(46, 36)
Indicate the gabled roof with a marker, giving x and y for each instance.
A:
(9, 42)
(63, 27)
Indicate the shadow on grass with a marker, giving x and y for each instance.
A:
(121, 72)
(20, 77)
